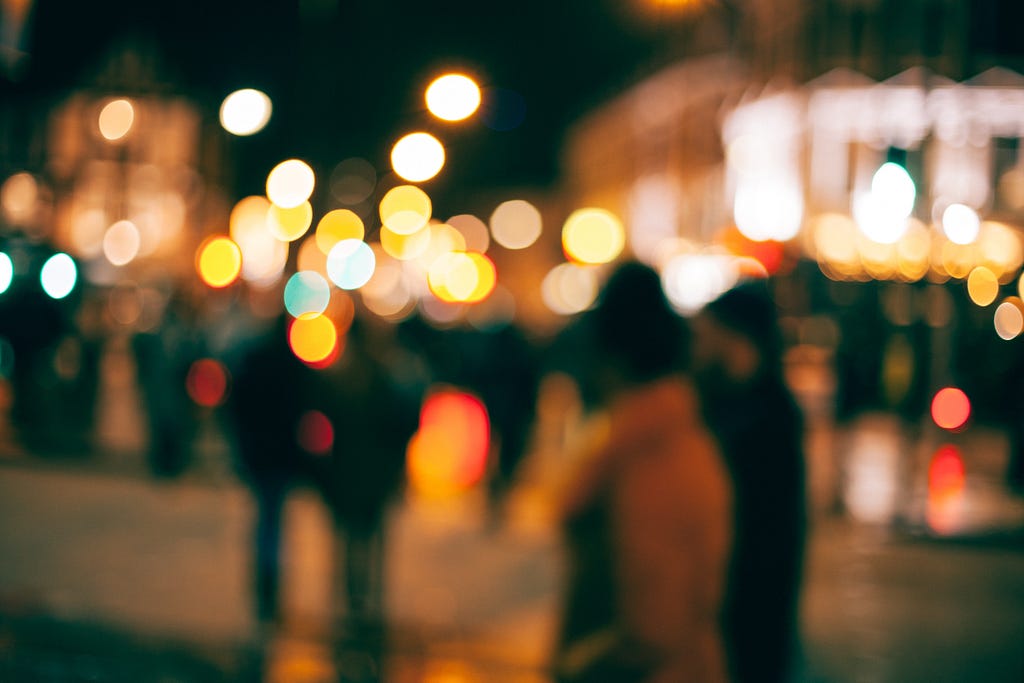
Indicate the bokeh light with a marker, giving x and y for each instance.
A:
(692, 280)
(306, 294)
(961, 224)
(121, 243)
(1009, 318)
(351, 263)
(58, 276)
(405, 247)
(313, 340)
(951, 408)
(882, 213)
(207, 382)
(248, 216)
(982, 286)
(405, 209)
(353, 181)
(453, 97)
(460, 277)
(315, 433)
(290, 183)
(516, 224)
(19, 197)
(116, 119)
(444, 239)
(769, 211)
(290, 224)
(448, 454)
(218, 261)
(473, 230)
(593, 236)
(337, 225)
(6, 272)
(245, 112)
(569, 288)
(417, 157)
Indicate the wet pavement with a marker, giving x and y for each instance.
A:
(108, 577)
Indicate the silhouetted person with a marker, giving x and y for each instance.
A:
(647, 508)
(758, 424)
(269, 395)
(163, 358)
(373, 416)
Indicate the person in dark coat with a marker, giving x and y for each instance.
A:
(738, 353)
(270, 393)
(374, 413)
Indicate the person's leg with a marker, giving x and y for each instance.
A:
(269, 498)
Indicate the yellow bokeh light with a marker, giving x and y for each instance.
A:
(405, 247)
(1009, 318)
(405, 209)
(338, 225)
(453, 97)
(245, 112)
(116, 119)
(486, 278)
(593, 236)
(444, 270)
(982, 286)
(289, 225)
(417, 157)
(218, 261)
(313, 340)
(516, 224)
(290, 183)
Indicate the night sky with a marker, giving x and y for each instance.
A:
(346, 78)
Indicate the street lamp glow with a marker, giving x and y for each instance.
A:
(6, 272)
(245, 112)
(417, 157)
(116, 119)
(453, 97)
(290, 183)
(58, 276)
(961, 224)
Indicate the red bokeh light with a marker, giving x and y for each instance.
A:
(207, 382)
(946, 473)
(951, 408)
(315, 433)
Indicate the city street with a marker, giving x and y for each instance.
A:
(111, 577)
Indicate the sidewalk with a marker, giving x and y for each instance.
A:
(116, 578)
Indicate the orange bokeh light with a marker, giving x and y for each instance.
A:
(449, 452)
(313, 340)
(951, 408)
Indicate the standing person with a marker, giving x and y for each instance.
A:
(268, 397)
(373, 415)
(647, 508)
(738, 351)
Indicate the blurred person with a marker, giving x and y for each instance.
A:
(646, 509)
(374, 411)
(163, 356)
(738, 355)
(269, 394)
